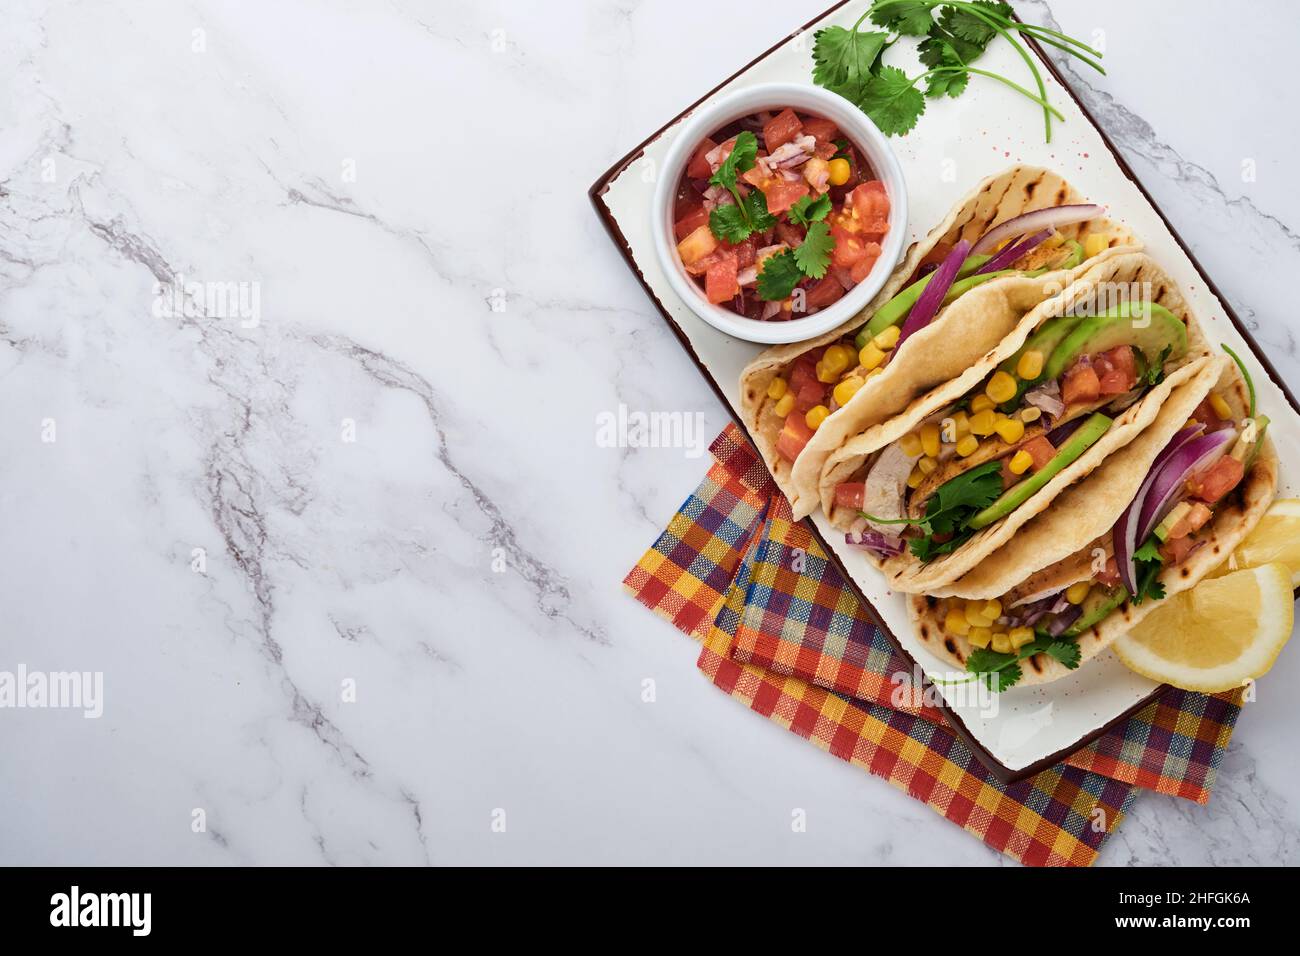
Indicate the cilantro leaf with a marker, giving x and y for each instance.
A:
(729, 224)
(952, 505)
(845, 60)
(739, 160)
(892, 101)
(1149, 564)
(936, 53)
(755, 206)
(778, 276)
(814, 254)
(807, 210)
(965, 25)
(908, 17)
(998, 671)
(1066, 652)
(1155, 373)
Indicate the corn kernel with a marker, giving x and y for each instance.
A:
(961, 423)
(993, 608)
(980, 403)
(1020, 636)
(1010, 430)
(1054, 240)
(847, 389)
(930, 438)
(837, 358)
(915, 478)
(927, 465)
(983, 423)
(1030, 413)
(870, 356)
(1020, 462)
(777, 389)
(840, 170)
(967, 446)
(1030, 365)
(1220, 406)
(887, 339)
(910, 444)
(1002, 643)
(979, 636)
(1076, 592)
(786, 405)
(876, 371)
(815, 416)
(1095, 244)
(975, 616)
(1001, 388)
(956, 623)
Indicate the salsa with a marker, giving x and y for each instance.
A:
(778, 216)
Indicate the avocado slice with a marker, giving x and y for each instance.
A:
(1099, 613)
(896, 309)
(1074, 255)
(1115, 327)
(1084, 438)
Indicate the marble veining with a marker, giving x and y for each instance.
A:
(349, 562)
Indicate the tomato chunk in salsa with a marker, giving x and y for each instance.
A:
(808, 179)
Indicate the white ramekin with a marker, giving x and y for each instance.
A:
(859, 130)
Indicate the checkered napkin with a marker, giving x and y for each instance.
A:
(783, 634)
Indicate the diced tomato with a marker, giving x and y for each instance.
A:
(1207, 416)
(1190, 522)
(823, 292)
(803, 370)
(1175, 550)
(720, 283)
(1081, 385)
(1109, 577)
(822, 130)
(1040, 450)
(688, 198)
(746, 252)
(849, 494)
(781, 129)
(699, 166)
(781, 194)
(790, 234)
(872, 206)
(794, 436)
(1116, 371)
(1009, 477)
(1221, 478)
(809, 394)
(696, 246)
(688, 223)
(849, 249)
(862, 268)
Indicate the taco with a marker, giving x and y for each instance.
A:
(1017, 239)
(930, 493)
(1152, 520)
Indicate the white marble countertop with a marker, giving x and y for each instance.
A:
(349, 557)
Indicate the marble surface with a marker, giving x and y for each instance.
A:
(343, 544)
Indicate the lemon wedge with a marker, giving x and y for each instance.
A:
(1218, 635)
(1275, 539)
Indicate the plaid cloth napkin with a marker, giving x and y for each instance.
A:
(797, 647)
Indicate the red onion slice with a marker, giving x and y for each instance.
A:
(1197, 454)
(1053, 217)
(1015, 251)
(885, 545)
(1124, 534)
(932, 297)
(1064, 619)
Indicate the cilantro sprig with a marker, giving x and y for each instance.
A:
(807, 210)
(954, 34)
(780, 273)
(953, 503)
(1000, 671)
(1149, 564)
(737, 222)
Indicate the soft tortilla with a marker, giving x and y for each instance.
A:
(905, 572)
(950, 344)
(1070, 519)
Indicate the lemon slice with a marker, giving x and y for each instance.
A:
(1275, 538)
(1217, 635)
